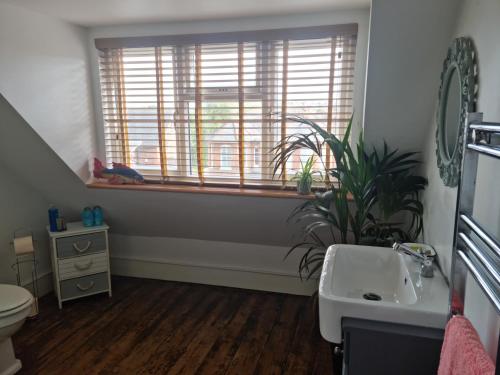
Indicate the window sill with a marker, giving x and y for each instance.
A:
(248, 192)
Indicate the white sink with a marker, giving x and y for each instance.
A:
(351, 272)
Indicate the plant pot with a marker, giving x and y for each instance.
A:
(304, 187)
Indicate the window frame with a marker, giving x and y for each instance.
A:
(218, 93)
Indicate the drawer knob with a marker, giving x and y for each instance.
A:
(83, 267)
(84, 288)
(75, 246)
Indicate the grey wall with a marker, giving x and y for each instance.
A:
(404, 58)
(479, 20)
(197, 216)
(21, 206)
(145, 225)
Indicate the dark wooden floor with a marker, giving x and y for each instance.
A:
(160, 327)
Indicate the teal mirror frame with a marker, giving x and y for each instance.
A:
(461, 57)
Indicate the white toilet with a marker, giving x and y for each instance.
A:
(15, 306)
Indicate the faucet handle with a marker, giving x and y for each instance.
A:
(427, 267)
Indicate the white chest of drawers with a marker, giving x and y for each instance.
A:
(80, 261)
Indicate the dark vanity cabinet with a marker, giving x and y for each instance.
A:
(379, 348)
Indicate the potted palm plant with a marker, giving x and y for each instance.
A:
(372, 197)
(306, 176)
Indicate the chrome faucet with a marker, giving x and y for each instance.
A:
(427, 268)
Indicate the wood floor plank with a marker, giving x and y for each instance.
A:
(94, 326)
(97, 353)
(222, 351)
(161, 327)
(72, 324)
(164, 327)
(303, 348)
(165, 355)
(273, 358)
(199, 347)
(259, 327)
(136, 333)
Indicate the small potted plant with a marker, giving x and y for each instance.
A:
(306, 176)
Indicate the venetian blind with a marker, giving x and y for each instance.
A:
(208, 109)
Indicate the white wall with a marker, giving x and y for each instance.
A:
(405, 48)
(359, 16)
(44, 75)
(21, 206)
(479, 20)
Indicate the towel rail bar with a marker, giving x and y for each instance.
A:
(480, 253)
(482, 234)
(485, 150)
(486, 264)
(488, 127)
(485, 286)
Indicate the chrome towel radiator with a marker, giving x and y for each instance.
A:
(474, 249)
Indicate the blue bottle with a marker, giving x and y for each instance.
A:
(87, 217)
(98, 215)
(53, 216)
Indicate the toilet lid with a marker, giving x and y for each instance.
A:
(12, 296)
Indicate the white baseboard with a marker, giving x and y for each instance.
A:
(236, 277)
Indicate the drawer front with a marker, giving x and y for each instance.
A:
(81, 245)
(84, 285)
(70, 268)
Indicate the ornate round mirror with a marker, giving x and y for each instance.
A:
(457, 97)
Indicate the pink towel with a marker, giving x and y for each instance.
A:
(462, 352)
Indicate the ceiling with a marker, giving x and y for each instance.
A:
(113, 12)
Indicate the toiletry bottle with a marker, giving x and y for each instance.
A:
(98, 215)
(87, 217)
(53, 215)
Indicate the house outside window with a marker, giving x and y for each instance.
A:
(256, 157)
(225, 157)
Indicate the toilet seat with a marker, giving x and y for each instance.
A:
(13, 298)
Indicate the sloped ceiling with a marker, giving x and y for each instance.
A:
(44, 73)
(408, 43)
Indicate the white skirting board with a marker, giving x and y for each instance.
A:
(238, 265)
(236, 277)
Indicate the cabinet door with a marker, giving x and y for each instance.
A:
(379, 348)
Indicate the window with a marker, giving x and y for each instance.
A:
(225, 157)
(209, 108)
(256, 157)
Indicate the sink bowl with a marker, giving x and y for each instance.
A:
(377, 283)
